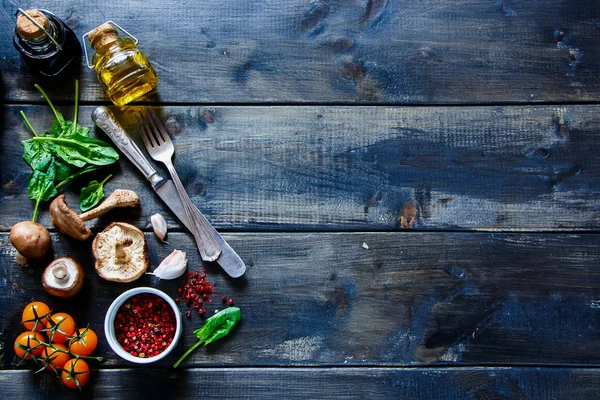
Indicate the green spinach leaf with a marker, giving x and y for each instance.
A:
(92, 194)
(62, 153)
(80, 150)
(41, 184)
(216, 327)
(36, 154)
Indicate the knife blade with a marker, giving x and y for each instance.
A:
(229, 260)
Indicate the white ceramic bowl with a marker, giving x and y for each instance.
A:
(109, 326)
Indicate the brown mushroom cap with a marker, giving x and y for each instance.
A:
(66, 220)
(63, 277)
(30, 239)
(121, 253)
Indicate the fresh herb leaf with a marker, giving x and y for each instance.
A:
(216, 327)
(80, 150)
(36, 154)
(63, 169)
(41, 184)
(92, 194)
(61, 154)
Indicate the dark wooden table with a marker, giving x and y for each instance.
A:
(414, 186)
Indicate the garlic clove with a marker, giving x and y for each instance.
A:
(172, 267)
(159, 225)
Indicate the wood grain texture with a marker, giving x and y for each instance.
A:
(317, 383)
(355, 168)
(324, 299)
(409, 52)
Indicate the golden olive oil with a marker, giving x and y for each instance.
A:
(123, 70)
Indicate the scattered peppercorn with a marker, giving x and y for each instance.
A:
(145, 325)
(197, 293)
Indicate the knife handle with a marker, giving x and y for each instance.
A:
(105, 119)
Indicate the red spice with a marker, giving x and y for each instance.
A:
(196, 291)
(145, 325)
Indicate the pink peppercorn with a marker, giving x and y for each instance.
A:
(139, 319)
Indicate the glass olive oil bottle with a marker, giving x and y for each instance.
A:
(123, 70)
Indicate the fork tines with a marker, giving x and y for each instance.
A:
(151, 129)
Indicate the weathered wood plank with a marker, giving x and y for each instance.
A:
(317, 383)
(406, 52)
(325, 299)
(358, 168)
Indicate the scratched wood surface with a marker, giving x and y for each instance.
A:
(330, 383)
(355, 168)
(410, 52)
(413, 185)
(409, 299)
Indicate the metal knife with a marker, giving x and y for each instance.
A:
(229, 260)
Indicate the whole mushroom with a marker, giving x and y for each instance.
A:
(121, 253)
(63, 277)
(31, 239)
(70, 223)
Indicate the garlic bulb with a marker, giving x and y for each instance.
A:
(159, 225)
(173, 266)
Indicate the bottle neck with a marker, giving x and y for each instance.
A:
(43, 44)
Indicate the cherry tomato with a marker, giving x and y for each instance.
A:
(51, 357)
(61, 327)
(84, 343)
(75, 373)
(28, 344)
(35, 312)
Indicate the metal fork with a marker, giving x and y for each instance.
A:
(160, 147)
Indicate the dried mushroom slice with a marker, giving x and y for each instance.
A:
(121, 253)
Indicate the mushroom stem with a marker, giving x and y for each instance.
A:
(118, 198)
(60, 271)
(119, 252)
(68, 222)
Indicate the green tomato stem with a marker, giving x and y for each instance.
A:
(187, 353)
(28, 124)
(38, 87)
(88, 357)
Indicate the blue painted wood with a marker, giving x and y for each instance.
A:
(404, 52)
(355, 168)
(317, 383)
(323, 299)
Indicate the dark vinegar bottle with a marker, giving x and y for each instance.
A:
(48, 44)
